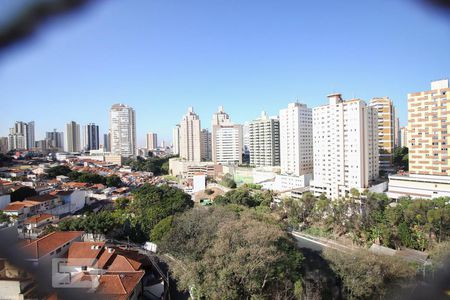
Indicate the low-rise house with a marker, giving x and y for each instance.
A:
(52, 245)
(75, 199)
(35, 225)
(47, 201)
(22, 209)
(14, 283)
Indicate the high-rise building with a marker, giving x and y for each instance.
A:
(345, 136)
(387, 131)
(152, 141)
(296, 148)
(107, 142)
(226, 139)
(122, 122)
(55, 140)
(176, 140)
(190, 132)
(404, 137)
(3, 144)
(206, 147)
(91, 137)
(30, 135)
(72, 143)
(427, 140)
(43, 145)
(264, 141)
(21, 136)
(428, 121)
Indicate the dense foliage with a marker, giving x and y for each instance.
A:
(58, 170)
(135, 219)
(222, 254)
(228, 181)
(400, 158)
(373, 218)
(245, 196)
(368, 276)
(156, 165)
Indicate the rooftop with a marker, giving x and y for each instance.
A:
(48, 243)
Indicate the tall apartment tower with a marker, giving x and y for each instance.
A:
(176, 140)
(403, 137)
(91, 138)
(122, 124)
(264, 141)
(387, 131)
(206, 146)
(346, 155)
(3, 144)
(152, 141)
(296, 147)
(429, 140)
(227, 142)
(72, 143)
(190, 141)
(21, 136)
(55, 140)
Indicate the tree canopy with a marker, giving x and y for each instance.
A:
(58, 170)
(222, 254)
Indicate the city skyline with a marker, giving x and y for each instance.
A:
(169, 70)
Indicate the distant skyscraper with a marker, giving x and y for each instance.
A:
(206, 145)
(246, 143)
(91, 138)
(296, 148)
(123, 130)
(404, 137)
(387, 128)
(190, 141)
(264, 136)
(152, 141)
(72, 143)
(345, 146)
(176, 140)
(21, 136)
(56, 139)
(107, 142)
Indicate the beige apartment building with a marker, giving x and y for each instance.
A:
(428, 118)
(190, 137)
(428, 139)
(387, 131)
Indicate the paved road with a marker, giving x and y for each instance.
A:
(303, 242)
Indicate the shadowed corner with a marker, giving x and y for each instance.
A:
(33, 15)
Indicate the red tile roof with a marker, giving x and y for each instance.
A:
(41, 198)
(48, 243)
(115, 285)
(84, 253)
(37, 218)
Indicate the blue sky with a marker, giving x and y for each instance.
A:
(161, 56)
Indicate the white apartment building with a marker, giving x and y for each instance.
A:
(264, 141)
(176, 140)
(345, 136)
(226, 140)
(296, 147)
(73, 139)
(91, 137)
(190, 141)
(122, 124)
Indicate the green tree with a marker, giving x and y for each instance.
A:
(161, 229)
(114, 181)
(400, 158)
(228, 181)
(369, 276)
(58, 170)
(22, 193)
(233, 256)
(92, 178)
